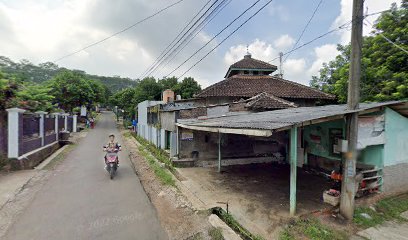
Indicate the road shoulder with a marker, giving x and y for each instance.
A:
(176, 213)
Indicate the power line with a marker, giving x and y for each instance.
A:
(253, 15)
(304, 29)
(341, 27)
(388, 40)
(189, 37)
(197, 32)
(314, 39)
(119, 32)
(209, 41)
(170, 47)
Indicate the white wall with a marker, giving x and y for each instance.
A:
(146, 131)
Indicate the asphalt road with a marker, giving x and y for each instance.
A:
(79, 201)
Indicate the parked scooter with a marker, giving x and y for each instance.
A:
(111, 160)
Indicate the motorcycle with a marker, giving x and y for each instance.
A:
(111, 161)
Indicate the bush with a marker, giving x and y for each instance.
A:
(3, 160)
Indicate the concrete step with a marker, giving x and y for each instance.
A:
(183, 163)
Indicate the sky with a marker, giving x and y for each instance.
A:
(45, 30)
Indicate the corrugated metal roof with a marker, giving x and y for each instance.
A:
(281, 119)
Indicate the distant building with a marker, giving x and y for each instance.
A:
(250, 77)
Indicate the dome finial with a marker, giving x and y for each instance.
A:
(248, 54)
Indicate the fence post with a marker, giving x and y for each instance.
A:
(42, 123)
(56, 125)
(14, 131)
(65, 121)
(74, 123)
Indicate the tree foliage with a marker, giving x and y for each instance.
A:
(30, 96)
(28, 72)
(151, 89)
(384, 66)
(72, 89)
(187, 88)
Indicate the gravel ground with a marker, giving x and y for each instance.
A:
(175, 213)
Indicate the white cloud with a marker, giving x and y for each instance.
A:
(323, 54)
(295, 70)
(284, 42)
(259, 49)
(45, 30)
(280, 11)
(346, 13)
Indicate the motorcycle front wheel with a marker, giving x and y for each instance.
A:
(112, 172)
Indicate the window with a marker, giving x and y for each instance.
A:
(246, 72)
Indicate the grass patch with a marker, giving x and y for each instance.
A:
(234, 225)
(164, 176)
(127, 134)
(386, 209)
(310, 228)
(158, 153)
(215, 233)
(59, 158)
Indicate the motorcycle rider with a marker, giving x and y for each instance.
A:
(112, 146)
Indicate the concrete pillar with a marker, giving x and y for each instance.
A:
(42, 122)
(65, 121)
(74, 123)
(13, 131)
(219, 151)
(293, 169)
(178, 140)
(56, 125)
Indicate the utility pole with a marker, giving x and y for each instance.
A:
(348, 187)
(280, 65)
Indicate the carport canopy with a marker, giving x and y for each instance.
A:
(263, 124)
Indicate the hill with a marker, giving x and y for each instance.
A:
(27, 71)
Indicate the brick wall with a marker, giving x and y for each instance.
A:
(193, 113)
(238, 107)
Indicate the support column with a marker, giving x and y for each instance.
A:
(65, 121)
(178, 139)
(293, 169)
(42, 122)
(13, 131)
(56, 125)
(74, 123)
(219, 151)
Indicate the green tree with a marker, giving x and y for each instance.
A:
(147, 89)
(384, 66)
(125, 100)
(71, 90)
(35, 98)
(168, 83)
(8, 90)
(187, 88)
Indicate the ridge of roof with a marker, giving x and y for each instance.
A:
(250, 63)
(265, 100)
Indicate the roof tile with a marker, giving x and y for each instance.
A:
(252, 85)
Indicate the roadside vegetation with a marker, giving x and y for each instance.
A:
(158, 153)
(384, 210)
(387, 209)
(234, 224)
(310, 228)
(165, 177)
